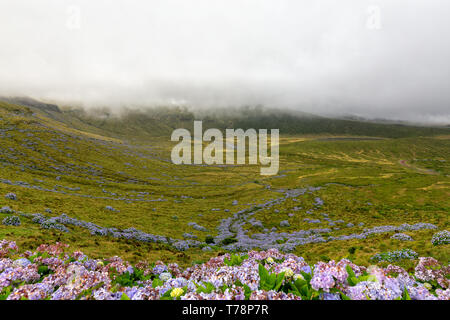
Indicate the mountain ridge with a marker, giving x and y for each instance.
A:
(139, 123)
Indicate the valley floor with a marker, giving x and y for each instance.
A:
(335, 197)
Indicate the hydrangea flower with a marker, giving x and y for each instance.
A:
(11, 196)
(76, 276)
(165, 276)
(11, 221)
(298, 276)
(442, 237)
(288, 273)
(175, 293)
(401, 237)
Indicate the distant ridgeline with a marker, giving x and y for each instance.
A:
(29, 102)
(161, 121)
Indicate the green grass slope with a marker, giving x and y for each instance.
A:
(74, 163)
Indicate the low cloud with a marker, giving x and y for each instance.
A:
(381, 58)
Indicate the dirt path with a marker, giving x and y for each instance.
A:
(403, 163)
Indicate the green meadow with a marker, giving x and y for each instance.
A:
(78, 164)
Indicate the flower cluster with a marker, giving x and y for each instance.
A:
(6, 247)
(429, 269)
(442, 237)
(11, 221)
(51, 273)
(62, 221)
(330, 275)
(396, 255)
(11, 196)
(111, 209)
(6, 209)
(401, 237)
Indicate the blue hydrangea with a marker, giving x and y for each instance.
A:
(397, 255)
(442, 237)
(11, 196)
(11, 221)
(285, 223)
(6, 209)
(401, 237)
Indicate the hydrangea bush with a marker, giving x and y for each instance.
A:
(51, 273)
(401, 237)
(442, 237)
(11, 221)
(11, 196)
(396, 255)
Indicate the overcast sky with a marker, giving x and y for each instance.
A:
(380, 58)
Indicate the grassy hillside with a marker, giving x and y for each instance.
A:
(116, 173)
(162, 121)
(142, 123)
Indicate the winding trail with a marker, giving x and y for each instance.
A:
(403, 163)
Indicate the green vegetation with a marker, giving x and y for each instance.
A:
(77, 164)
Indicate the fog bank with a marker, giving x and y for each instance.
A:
(379, 58)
